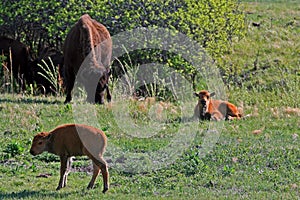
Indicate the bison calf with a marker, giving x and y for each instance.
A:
(74, 140)
(208, 108)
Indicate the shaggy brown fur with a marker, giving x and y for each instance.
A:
(88, 41)
(20, 59)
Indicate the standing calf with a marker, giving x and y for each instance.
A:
(74, 140)
(208, 108)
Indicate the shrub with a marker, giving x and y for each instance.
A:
(13, 149)
(213, 24)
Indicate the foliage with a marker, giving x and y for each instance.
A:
(211, 23)
(244, 163)
(50, 73)
(268, 56)
(13, 149)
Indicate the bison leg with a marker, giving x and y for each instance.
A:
(96, 171)
(217, 116)
(99, 97)
(105, 176)
(232, 112)
(69, 88)
(65, 164)
(108, 95)
(101, 164)
(69, 163)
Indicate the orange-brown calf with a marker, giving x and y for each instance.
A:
(208, 108)
(74, 140)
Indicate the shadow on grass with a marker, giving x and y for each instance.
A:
(30, 101)
(32, 194)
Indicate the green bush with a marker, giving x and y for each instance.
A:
(13, 149)
(213, 24)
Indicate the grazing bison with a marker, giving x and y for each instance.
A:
(208, 108)
(54, 61)
(87, 55)
(74, 140)
(19, 58)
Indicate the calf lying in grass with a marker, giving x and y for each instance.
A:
(74, 140)
(208, 108)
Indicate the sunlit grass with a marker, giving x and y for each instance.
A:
(254, 158)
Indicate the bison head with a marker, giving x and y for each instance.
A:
(39, 143)
(203, 102)
(95, 81)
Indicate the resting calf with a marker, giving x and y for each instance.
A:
(208, 108)
(74, 140)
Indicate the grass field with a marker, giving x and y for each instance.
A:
(255, 158)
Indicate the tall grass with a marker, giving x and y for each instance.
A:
(51, 74)
(7, 79)
(148, 80)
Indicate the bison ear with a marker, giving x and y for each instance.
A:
(49, 136)
(196, 94)
(212, 94)
(46, 135)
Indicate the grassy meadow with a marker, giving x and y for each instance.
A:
(254, 158)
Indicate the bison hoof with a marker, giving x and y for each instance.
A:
(66, 101)
(90, 187)
(104, 190)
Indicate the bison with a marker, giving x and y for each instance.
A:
(87, 54)
(210, 109)
(74, 140)
(20, 58)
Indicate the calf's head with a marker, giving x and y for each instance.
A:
(203, 100)
(39, 143)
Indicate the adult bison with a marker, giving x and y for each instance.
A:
(46, 68)
(87, 56)
(18, 61)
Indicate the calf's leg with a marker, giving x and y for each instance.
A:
(232, 112)
(69, 163)
(100, 162)
(65, 163)
(105, 176)
(96, 171)
(216, 116)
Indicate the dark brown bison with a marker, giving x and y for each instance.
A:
(19, 58)
(51, 60)
(87, 56)
(210, 109)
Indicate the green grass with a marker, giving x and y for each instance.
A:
(269, 54)
(241, 164)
